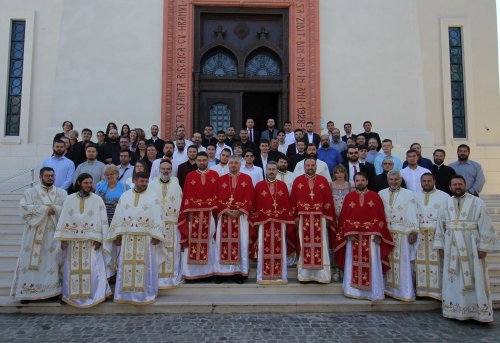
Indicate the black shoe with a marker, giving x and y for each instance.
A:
(24, 302)
(219, 279)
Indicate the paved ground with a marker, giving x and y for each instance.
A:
(269, 328)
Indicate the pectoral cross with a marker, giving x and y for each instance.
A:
(275, 204)
(231, 200)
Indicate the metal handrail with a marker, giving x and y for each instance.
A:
(21, 173)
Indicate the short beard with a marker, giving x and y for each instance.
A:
(463, 158)
(360, 188)
(165, 177)
(310, 173)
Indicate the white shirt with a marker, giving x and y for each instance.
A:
(124, 173)
(187, 142)
(264, 163)
(351, 170)
(255, 173)
(180, 156)
(310, 137)
(412, 177)
(221, 169)
(219, 149)
(283, 147)
(290, 138)
(155, 168)
(321, 169)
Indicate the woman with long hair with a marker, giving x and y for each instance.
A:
(133, 140)
(67, 126)
(125, 132)
(111, 125)
(140, 151)
(140, 166)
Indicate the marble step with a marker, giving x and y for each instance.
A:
(11, 232)
(201, 303)
(10, 244)
(7, 272)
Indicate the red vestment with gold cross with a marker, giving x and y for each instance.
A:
(272, 209)
(311, 201)
(234, 192)
(200, 199)
(362, 215)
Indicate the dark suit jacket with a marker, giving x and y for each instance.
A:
(183, 170)
(292, 162)
(443, 176)
(265, 135)
(271, 156)
(316, 139)
(159, 143)
(344, 137)
(256, 134)
(372, 135)
(366, 168)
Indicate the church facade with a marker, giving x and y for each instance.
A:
(421, 70)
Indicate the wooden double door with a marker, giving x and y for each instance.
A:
(241, 67)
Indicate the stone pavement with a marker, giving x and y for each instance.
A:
(384, 327)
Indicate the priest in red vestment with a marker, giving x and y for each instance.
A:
(273, 231)
(363, 242)
(196, 220)
(234, 203)
(312, 204)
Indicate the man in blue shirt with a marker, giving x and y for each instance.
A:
(63, 167)
(470, 170)
(328, 154)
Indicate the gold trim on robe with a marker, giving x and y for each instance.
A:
(135, 249)
(80, 269)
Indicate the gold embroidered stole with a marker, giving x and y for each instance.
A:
(460, 258)
(312, 242)
(427, 263)
(361, 263)
(230, 241)
(393, 275)
(167, 268)
(272, 254)
(37, 244)
(134, 254)
(80, 269)
(199, 232)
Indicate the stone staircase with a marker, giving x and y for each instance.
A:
(209, 297)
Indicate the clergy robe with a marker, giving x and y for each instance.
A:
(322, 169)
(461, 232)
(273, 231)
(84, 221)
(287, 177)
(36, 275)
(402, 215)
(428, 268)
(200, 200)
(234, 192)
(312, 203)
(364, 262)
(137, 220)
(170, 196)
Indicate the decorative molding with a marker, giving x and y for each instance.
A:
(178, 59)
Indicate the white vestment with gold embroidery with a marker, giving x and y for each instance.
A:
(84, 221)
(402, 214)
(37, 273)
(461, 232)
(138, 219)
(428, 264)
(170, 196)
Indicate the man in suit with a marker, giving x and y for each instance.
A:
(271, 131)
(299, 156)
(253, 135)
(353, 166)
(246, 143)
(348, 132)
(155, 139)
(292, 148)
(367, 125)
(311, 136)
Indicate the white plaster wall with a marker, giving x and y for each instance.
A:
(371, 66)
(109, 63)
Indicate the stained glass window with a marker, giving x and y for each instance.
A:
(15, 85)
(457, 83)
(219, 64)
(262, 65)
(220, 116)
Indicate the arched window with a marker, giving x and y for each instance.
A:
(220, 116)
(262, 65)
(219, 64)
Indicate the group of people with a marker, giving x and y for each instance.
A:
(203, 208)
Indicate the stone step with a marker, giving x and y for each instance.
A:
(12, 244)
(6, 272)
(8, 196)
(9, 203)
(494, 269)
(226, 304)
(11, 232)
(8, 258)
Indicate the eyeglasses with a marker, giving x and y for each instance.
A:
(249, 156)
(388, 163)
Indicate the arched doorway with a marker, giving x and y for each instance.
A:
(240, 66)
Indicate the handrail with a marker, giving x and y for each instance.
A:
(19, 174)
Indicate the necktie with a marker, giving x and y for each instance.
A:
(355, 169)
(251, 135)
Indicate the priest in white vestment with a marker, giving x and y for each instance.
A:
(138, 228)
(402, 215)
(169, 193)
(36, 275)
(465, 235)
(428, 266)
(321, 167)
(80, 234)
